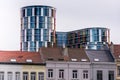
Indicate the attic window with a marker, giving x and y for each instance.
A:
(96, 59)
(28, 60)
(83, 59)
(50, 59)
(73, 59)
(13, 60)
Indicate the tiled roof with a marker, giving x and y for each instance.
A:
(20, 57)
(99, 55)
(116, 49)
(76, 53)
(51, 54)
(57, 54)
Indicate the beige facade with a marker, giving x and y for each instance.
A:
(34, 69)
(117, 69)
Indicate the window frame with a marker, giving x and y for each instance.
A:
(85, 74)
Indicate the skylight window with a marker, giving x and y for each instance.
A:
(13, 60)
(96, 60)
(83, 59)
(28, 60)
(73, 59)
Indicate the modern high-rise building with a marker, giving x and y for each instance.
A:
(61, 39)
(38, 24)
(89, 38)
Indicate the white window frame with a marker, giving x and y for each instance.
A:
(17, 76)
(85, 74)
(61, 74)
(9, 75)
(41, 76)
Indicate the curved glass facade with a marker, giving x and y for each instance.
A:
(91, 38)
(37, 27)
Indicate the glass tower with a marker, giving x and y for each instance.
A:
(38, 24)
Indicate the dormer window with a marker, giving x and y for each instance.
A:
(28, 60)
(96, 59)
(50, 59)
(13, 60)
(83, 59)
(73, 59)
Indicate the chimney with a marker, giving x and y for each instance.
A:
(65, 54)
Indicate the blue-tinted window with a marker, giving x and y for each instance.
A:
(49, 19)
(37, 31)
(25, 44)
(103, 32)
(32, 25)
(33, 19)
(41, 19)
(49, 25)
(37, 38)
(25, 25)
(40, 44)
(25, 20)
(46, 11)
(32, 44)
(41, 25)
(37, 11)
(29, 32)
(29, 12)
(45, 31)
(29, 38)
(32, 49)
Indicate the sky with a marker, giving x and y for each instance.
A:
(70, 15)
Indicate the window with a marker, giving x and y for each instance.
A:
(33, 19)
(99, 75)
(118, 70)
(1, 75)
(111, 75)
(25, 75)
(50, 73)
(37, 11)
(29, 12)
(61, 73)
(33, 76)
(40, 76)
(85, 74)
(9, 76)
(74, 74)
(17, 76)
(46, 12)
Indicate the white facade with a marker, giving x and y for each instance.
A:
(85, 70)
(5, 69)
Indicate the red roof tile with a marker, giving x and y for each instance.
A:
(117, 51)
(20, 56)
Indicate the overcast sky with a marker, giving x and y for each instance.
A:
(70, 15)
